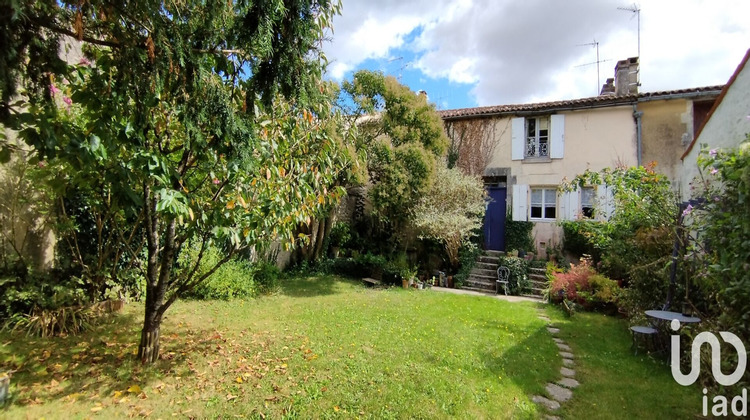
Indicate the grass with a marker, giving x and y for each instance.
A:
(329, 348)
(321, 348)
(615, 383)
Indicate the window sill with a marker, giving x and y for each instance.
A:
(531, 219)
(537, 160)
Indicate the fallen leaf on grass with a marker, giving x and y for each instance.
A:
(230, 397)
(134, 389)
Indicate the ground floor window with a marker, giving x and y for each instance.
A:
(544, 203)
(587, 202)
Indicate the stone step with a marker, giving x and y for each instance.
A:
(538, 277)
(539, 284)
(483, 272)
(492, 253)
(486, 266)
(481, 277)
(480, 284)
(487, 259)
(535, 270)
(477, 289)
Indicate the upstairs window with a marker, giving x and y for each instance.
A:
(537, 137)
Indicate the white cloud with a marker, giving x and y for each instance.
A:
(514, 52)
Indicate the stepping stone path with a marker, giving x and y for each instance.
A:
(562, 390)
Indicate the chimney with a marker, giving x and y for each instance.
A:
(608, 89)
(627, 77)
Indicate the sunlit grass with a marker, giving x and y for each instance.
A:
(322, 347)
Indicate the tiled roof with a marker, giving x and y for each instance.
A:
(582, 103)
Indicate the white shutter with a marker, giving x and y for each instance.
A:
(557, 136)
(520, 199)
(605, 201)
(517, 134)
(569, 205)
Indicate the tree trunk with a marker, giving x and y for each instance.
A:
(148, 350)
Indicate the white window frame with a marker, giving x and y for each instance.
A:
(555, 139)
(591, 205)
(545, 204)
(537, 139)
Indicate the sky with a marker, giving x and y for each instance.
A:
(467, 53)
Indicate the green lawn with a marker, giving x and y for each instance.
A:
(615, 383)
(329, 348)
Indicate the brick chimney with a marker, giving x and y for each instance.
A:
(627, 77)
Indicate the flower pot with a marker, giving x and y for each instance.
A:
(449, 280)
(405, 283)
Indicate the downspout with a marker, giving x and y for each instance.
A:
(638, 131)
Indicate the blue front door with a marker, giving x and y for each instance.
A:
(494, 220)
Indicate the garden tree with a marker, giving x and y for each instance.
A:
(451, 210)
(182, 117)
(402, 138)
(636, 243)
(721, 228)
(312, 235)
(472, 143)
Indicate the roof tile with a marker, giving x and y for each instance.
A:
(602, 100)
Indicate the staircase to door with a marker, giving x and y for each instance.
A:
(484, 275)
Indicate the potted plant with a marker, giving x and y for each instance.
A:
(408, 276)
(338, 237)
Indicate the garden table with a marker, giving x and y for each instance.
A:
(669, 316)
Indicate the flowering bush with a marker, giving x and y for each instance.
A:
(583, 285)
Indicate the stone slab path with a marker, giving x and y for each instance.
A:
(562, 389)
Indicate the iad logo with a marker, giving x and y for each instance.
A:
(720, 402)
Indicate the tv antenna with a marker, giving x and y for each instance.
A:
(400, 69)
(594, 44)
(636, 10)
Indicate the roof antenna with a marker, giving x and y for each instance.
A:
(596, 45)
(636, 9)
(401, 69)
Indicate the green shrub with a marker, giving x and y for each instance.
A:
(234, 279)
(266, 277)
(54, 322)
(367, 265)
(40, 292)
(340, 235)
(467, 258)
(723, 228)
(518, 235)
(519, 274)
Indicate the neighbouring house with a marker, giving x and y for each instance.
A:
(524, 152)
(726, 126)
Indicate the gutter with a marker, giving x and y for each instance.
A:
(638, 133)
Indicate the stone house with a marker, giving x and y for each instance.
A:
(523, 152)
